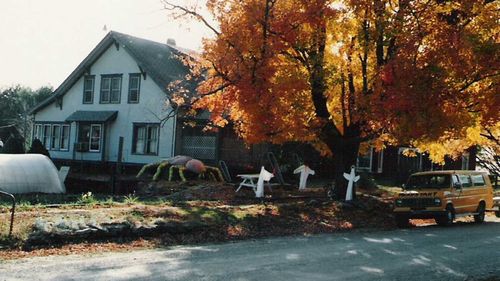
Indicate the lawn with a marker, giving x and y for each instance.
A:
(54, 224)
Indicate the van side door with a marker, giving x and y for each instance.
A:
(482, 190)
(468, 195)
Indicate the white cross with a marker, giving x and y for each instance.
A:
(352, 178)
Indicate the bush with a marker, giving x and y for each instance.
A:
(367, 182)
(14, 146)
(38, 148)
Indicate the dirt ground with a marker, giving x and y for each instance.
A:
(220, 213)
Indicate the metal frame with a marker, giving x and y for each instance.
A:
(12, 210)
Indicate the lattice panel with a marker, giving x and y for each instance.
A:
(200, 147)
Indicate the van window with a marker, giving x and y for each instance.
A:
(478, 180)
(428, 181)
(465, 180)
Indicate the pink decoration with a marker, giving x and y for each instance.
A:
(195, 166)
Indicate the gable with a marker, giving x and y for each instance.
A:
(115, 62)
(158, 61)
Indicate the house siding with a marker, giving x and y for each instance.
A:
(150, 107)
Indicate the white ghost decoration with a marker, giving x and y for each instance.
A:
(304, 171)
(263, 176)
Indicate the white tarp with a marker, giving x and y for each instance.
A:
(29, 173)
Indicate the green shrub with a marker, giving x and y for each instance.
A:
(87, 199)
(110, 201)
(131, 199)
(38, 148)
(14, 146)
(366, 181)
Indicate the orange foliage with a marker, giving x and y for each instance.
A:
(412, 72)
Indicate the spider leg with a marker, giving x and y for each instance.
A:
(160, 169)
(147, 167)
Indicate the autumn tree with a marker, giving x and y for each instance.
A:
(343, 74)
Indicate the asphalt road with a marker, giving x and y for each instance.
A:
(459, 252)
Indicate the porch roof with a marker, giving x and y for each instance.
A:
(92, 116)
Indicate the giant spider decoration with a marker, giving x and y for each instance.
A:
(182, 163)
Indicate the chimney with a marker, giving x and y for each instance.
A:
(171, 41)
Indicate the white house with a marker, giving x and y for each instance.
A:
(118, 90)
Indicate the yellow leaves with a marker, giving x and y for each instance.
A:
(410, 152)
(383, 140)
(454, 147)
(424, 94)
(322, 148)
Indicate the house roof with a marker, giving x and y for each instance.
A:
(159, 61)
(92, 116)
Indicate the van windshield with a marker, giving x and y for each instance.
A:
(428, 181)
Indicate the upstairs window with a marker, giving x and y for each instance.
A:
(134, 85)
(111, 86)
(145, 139)
(88, 89)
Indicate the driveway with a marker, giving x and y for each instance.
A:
(464, 250)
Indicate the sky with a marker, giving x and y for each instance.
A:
(43, 41)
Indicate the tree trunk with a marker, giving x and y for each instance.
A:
(345, 153)
(344, 146)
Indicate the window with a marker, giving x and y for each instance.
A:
(95, 138)
(465, 161)
(428, 181)
(111, 88)
(380, 161)
(37, 134)
(64, 137)
(89, 137)
(88, 89)
(46, 136)
(83, 137)
(134, 85)
(478, 180)
(55, 137)
(145, 139)
(465, 180)
(364, 161)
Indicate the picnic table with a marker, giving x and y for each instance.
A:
(250, 180)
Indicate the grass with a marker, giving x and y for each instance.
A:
(131, 199)
(31, 202)
(220, 221)
(87, 199)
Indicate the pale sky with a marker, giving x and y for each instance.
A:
(42, 41)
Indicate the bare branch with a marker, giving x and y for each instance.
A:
(172, 7)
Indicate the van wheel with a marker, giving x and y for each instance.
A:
(447, 218)
(497, 213)
(479, 218)
(402, 221)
